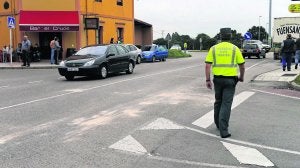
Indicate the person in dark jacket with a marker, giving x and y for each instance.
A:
(297, 54)
(287, 50)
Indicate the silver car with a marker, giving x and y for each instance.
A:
(135, 51)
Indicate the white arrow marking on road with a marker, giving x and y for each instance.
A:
(247, 155)
(129, 144)
(208, 119)
(162, 124)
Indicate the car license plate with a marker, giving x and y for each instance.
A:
(73, 69)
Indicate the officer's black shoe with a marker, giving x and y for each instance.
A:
(226, 136)
(283, 69)
(296, 66)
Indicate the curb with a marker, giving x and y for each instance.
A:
(32, 67)
(295, 86)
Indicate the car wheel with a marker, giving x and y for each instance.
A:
(164, 59)
(103, 72)
(264, 56)
(69, 77)
(258, 56)
(153, 59)
(138, 60)
(130, 68)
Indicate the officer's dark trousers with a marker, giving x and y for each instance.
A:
(26, 58)
(224, 93)
(287, 60)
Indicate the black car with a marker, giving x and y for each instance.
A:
(253, 49)
(98, 60)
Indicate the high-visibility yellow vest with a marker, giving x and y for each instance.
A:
(224, 57)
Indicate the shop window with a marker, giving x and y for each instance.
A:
(120, 2)
(6, 5)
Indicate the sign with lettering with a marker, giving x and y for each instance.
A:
(49, 28)
(294, 8)
(91, 23)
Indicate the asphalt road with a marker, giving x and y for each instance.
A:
(146, 119)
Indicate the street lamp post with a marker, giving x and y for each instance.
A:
(270, 17)
(259, 28)
(267, 33)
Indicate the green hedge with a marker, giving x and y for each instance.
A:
(177, 54)
(297, 80)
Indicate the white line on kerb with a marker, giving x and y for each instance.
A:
(96, 87)
(208, 119)
(3, 87)
(35, 82)
(292, 97)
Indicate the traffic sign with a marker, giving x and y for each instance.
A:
(11, 22)
(248, 36)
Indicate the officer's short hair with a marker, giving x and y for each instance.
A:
(289, 36)
(225, 33)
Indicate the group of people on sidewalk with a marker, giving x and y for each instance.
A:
(289, 47)
(55, 50)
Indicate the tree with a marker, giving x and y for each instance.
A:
(161, 41)
(207, 42)
(254, 30)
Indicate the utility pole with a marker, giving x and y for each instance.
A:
(259, 28)
(270, 17)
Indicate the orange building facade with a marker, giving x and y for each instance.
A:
(76, 23)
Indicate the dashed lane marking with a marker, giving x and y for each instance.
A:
(206, 120)
(247, 155)
(32, 82)
(96, 87)
(1, 87)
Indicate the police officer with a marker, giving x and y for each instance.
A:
(224, 58)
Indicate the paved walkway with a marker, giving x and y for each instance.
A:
(43, 64)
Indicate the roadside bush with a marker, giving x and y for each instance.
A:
(297, 80)
(177, 54)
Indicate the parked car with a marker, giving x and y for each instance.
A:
(154, 52)
(253, 49)
(98, 60)
(135, 51)
(176, 47)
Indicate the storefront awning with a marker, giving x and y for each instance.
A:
(49, 21)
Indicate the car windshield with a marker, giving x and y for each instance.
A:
(148, 48)
(92, 51)
(250, 46)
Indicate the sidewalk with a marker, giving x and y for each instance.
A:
(280, 76)
(43, 64)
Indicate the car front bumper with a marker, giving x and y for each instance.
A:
(79, 71)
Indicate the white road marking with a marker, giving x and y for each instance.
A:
(276, 94)
(3, 87)
(162, 124)
(35, 82)
(129, 144)
(244, 142)
(206, 120)
(192, 163)
(254, 65)
(96, 87)
(247, 155)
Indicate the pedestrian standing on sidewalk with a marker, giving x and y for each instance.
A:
(224, 58)
(26, 44)
(52, 47)
(57, 49)
(297, 54)
(287, 51)
(5, 51)
(19, 52)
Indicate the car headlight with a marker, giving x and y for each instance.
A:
(62, 63)
(89, 63)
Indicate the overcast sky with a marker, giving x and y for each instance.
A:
(191, 17)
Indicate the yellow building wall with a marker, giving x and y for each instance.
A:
(49, 5)
(111, 17)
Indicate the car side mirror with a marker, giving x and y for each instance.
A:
(111, 54)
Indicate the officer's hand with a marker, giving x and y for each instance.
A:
(241, 79)
(209, 84)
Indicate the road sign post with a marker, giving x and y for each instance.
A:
(11, 22)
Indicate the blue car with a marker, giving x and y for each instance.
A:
(151, 53)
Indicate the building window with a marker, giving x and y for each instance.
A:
(120, 2)
(120, 34)
(98, 0)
